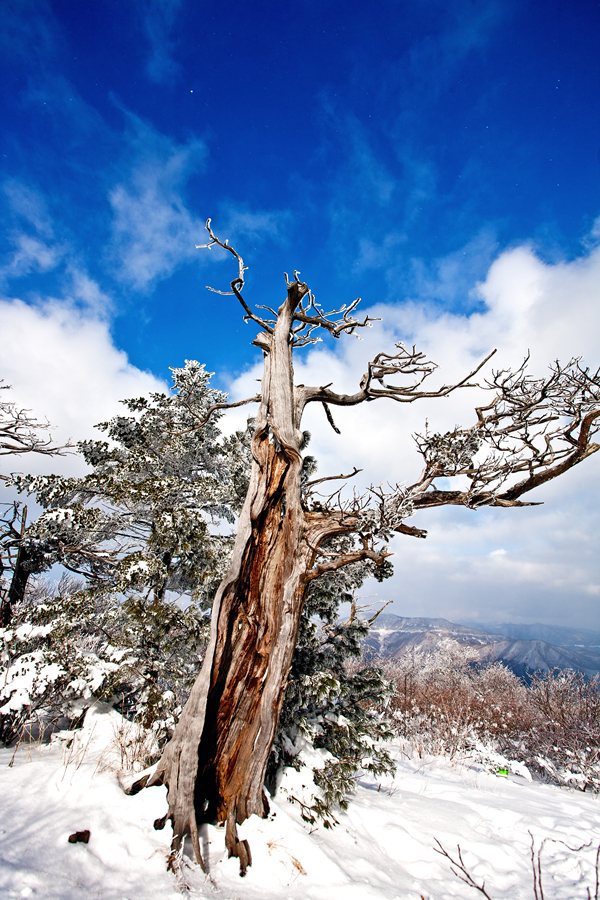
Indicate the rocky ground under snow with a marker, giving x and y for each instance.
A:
(384, 846)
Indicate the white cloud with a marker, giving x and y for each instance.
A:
(30, 233)
(153, 230)
(36, 248)
(550, 568)
(64, 367)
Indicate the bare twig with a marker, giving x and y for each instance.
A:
(374, 386)
(19, 433)
(536, 865)
(379, 611)
(330, 419)
(333, 478)
(215, 406)
(237, 283)
(460, 870)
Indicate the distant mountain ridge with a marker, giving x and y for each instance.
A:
(394, 636)
(561, 636)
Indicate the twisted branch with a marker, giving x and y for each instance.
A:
(237, 283)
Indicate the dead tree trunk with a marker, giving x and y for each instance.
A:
(21, 572)
(214, 766)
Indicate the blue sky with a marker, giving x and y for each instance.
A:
(426, 156)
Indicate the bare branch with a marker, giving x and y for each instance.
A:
(238, 283)
(373, 516)
(215, 406)
(410, 530)
(332, 478)
(460, 870)
(330, 419)
(533, 430)
(378, 613)
(19, 433)
(373, 385)
(336, 327)
(345, 559)
(536, 864)
(354, 609)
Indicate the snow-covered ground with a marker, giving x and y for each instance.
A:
(383, 847)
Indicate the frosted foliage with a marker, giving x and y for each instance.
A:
(443, 703)
(156, 511)
(453, 451)
(329, 721)
(68, 647)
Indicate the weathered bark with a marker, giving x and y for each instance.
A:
(215, 764)
(18, 586)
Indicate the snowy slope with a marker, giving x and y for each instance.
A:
(383, 847)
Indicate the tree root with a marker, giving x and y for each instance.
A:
(235, 847)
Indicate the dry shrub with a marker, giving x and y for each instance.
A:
(444, 703)
(565, 742)
(133, 748)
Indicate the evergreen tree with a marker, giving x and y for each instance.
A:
(147, 528)
(148, 519)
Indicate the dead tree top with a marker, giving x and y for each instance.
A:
(307, 317)
(531, 431)
(19, 432)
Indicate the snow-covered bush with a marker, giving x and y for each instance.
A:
(331, 705)
(41, 669)
(444, 703)
(65, 646)
(565, 744)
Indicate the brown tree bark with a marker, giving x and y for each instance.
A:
(215, 764)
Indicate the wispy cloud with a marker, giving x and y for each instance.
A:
(36, 244)
(29, 206)
(238, 222)
(32, 245)
(153, 231)
(159, 17)
(84, 292)
(27, 25)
